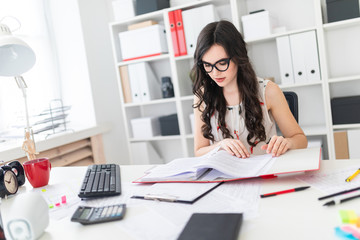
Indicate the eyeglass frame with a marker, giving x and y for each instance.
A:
(201, 64)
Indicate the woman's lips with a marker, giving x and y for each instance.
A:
(219, 80)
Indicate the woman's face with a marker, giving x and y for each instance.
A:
(224, 72)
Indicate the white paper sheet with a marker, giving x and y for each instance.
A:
(333, 181)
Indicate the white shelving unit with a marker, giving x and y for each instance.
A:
(339, 56)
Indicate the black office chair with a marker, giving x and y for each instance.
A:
(292, 99)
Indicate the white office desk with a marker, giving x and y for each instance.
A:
(296, 215)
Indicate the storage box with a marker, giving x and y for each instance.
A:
(345, 110)
(145, 127)
(143, 42)
(123, 9)
(169, 125)
(146, 6)
(338, 10)
(257, 25)
(341, 145)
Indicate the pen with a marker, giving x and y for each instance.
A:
(352, 176)
(333, 202)
(284, 191)
(339, 193)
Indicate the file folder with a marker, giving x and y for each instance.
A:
(194, 21)
(285, 60)
(177, 192)
(134, 83)
(125, 84)
(174, 37)
(212, 226)
(180, 32)
(144, 84)
(305, 57)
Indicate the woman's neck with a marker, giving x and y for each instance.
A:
(232, 95)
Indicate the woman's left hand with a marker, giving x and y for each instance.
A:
(278, 145)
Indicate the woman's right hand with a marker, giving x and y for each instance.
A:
(234, 147)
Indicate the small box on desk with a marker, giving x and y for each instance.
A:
(143, 42)
(338, 10)
(146, 127)
(257, 25)
(169, 125)
(345, 110)
(146, 6)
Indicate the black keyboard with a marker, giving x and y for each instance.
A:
(101, 180)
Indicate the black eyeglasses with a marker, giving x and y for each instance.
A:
(222, 65)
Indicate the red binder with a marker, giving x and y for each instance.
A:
(180, 32)
(174, 34)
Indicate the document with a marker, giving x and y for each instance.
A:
(217, 164)
(220, 166)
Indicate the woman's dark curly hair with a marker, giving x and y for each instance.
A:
(211, 96)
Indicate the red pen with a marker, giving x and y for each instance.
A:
(284, 191)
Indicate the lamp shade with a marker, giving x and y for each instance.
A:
(16, 57)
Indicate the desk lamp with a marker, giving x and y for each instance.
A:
(16, 58)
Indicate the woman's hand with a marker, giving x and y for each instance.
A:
(234, 147)
(278, 145)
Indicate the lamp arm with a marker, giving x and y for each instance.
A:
(22, 85)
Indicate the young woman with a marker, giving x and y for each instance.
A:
(232, 107)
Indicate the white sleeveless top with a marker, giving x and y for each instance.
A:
(235, 122)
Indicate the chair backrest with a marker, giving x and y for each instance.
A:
(292, 100)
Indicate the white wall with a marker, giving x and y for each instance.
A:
(71, 56)
(95, 16)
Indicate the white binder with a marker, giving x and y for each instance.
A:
(144, 84)
(194, 21)
(134, 83)
(305, 57)
(312, 56)
(285, 60)
(298, 57)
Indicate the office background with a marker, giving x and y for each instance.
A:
(90, 58)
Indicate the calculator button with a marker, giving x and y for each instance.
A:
(109, 211)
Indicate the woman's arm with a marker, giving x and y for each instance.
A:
(293, 136)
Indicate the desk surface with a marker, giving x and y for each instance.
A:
(289, 216)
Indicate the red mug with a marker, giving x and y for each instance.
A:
(37, 171)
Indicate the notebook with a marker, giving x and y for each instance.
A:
(212, 226)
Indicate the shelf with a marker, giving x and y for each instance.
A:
(341, 24)
(346, 126)
(187, 98)
(300, 85)
(315, 130)
(148, 59)
(344, 79)
(185, 57)
(158, 14)
(157, 101)
(156, 138)
(274, 36)
(189, 136)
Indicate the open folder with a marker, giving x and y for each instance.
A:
(220, 166)
(176, 192)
